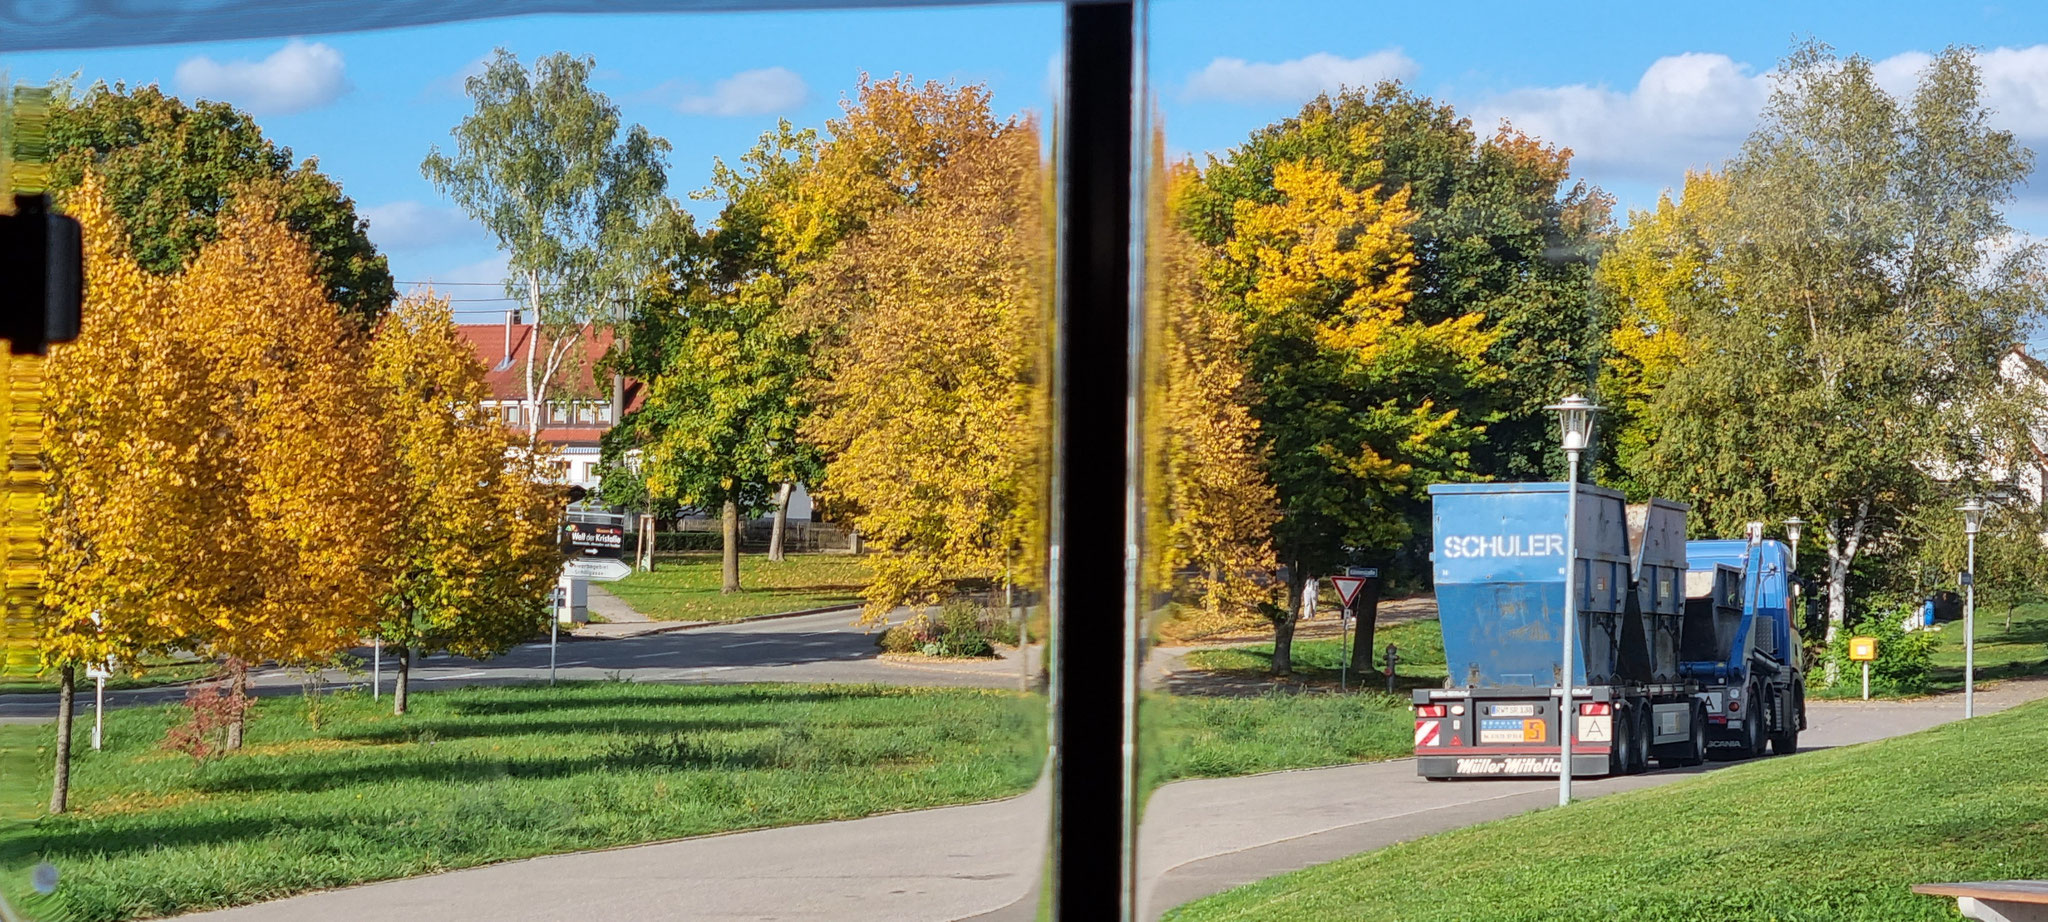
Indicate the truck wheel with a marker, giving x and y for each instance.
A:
(1639, 753)
(1621, 742)
(1785, 740)
(1753, 726)
(1698, 753)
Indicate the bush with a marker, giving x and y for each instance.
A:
(1905, 660)
(963, 628)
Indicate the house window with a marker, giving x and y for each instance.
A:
(560, 412)
(586, 413)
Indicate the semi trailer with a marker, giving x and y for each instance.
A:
(1686, 650)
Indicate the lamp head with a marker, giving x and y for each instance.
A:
(1973, 514)
(1575, 421)
(1792, 528)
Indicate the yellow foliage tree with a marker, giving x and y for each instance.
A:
(1216, 509)
(1650, 279)
(474, 553)
(293, 533)
(932, 406)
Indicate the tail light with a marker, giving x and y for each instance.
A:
(1734, 706)
(1429, 710)
(1596, 709)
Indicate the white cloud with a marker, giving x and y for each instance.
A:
(295, 78)
(763, 91)
(1693, 110)
(1298, 80)
(492, 270)
(457, 83)
(410, 225)
(1687, 110)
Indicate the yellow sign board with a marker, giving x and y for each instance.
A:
(1862, 649)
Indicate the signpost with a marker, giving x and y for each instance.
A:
(98, 675)
(1863, 650)
(594, 539)
(599, 569)
(1347, 590)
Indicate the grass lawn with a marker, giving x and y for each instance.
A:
(685, 587)
(1421, 646)
(1835, 834)
(1204, 737)
(481, 775)
(2001, 653)
(167, 672)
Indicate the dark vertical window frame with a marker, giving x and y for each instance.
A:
(1093, 594)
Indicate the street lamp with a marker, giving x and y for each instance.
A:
(1973, 518)
(1792, 527)
(1575, 423)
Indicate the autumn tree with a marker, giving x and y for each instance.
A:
(474, 555)
(541, 164)
(1345, 382)
(1215, 509)
(171, 171)
(1499, 230)
(722, 425)
(1860, 290)
(931, 405)
(291, 516)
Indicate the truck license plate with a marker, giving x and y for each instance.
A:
(1495, 730)
(1511, 710)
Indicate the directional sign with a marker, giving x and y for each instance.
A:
(601, 569)
(1347, 587)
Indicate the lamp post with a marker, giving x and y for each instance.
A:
(1973, 517)
(1793, 526)
(1575, 422)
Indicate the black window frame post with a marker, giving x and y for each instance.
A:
(1093, 597)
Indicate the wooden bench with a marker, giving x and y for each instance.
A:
(1996, 900)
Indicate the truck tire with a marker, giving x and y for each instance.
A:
(1753, 736)
(1645, 732)
(1785, 738)
(1697, 754)
(1621, 741)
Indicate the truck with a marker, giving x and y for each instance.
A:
(1686, 649)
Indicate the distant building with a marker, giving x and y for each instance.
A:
(582, 405)
(2026, 475)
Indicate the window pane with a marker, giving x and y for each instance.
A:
(853, 321)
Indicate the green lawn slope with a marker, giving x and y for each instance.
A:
(1826, 835)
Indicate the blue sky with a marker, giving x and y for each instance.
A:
(1640, 91)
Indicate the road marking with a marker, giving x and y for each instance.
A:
(465, 675)
(653, 655)
(752, 643)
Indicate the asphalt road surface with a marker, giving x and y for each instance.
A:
(809, 648)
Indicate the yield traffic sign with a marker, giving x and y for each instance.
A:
(1347, 587)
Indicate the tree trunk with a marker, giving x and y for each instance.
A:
(1841, 555)
(1283, 630)
(60, 776)
(239, 692)
(732, 547)
(404, 683)
(781, 522)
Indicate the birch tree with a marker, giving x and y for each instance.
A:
(1859, 290)
(541, 164)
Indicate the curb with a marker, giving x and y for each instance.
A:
(697, 625)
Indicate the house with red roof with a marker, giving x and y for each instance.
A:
(582, 403)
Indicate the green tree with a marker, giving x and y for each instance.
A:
(1861, 288)
(1345, 382)
(474, 551)
(541, 165)
(1499, 231)
(172, 171)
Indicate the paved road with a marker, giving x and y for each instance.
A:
(809, 648)
(981, 861)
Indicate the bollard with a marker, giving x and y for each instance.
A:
(1393, 657)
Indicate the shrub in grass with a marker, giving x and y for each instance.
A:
(1904, 664)
(963, 628)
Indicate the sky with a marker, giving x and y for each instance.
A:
(1639, 91)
